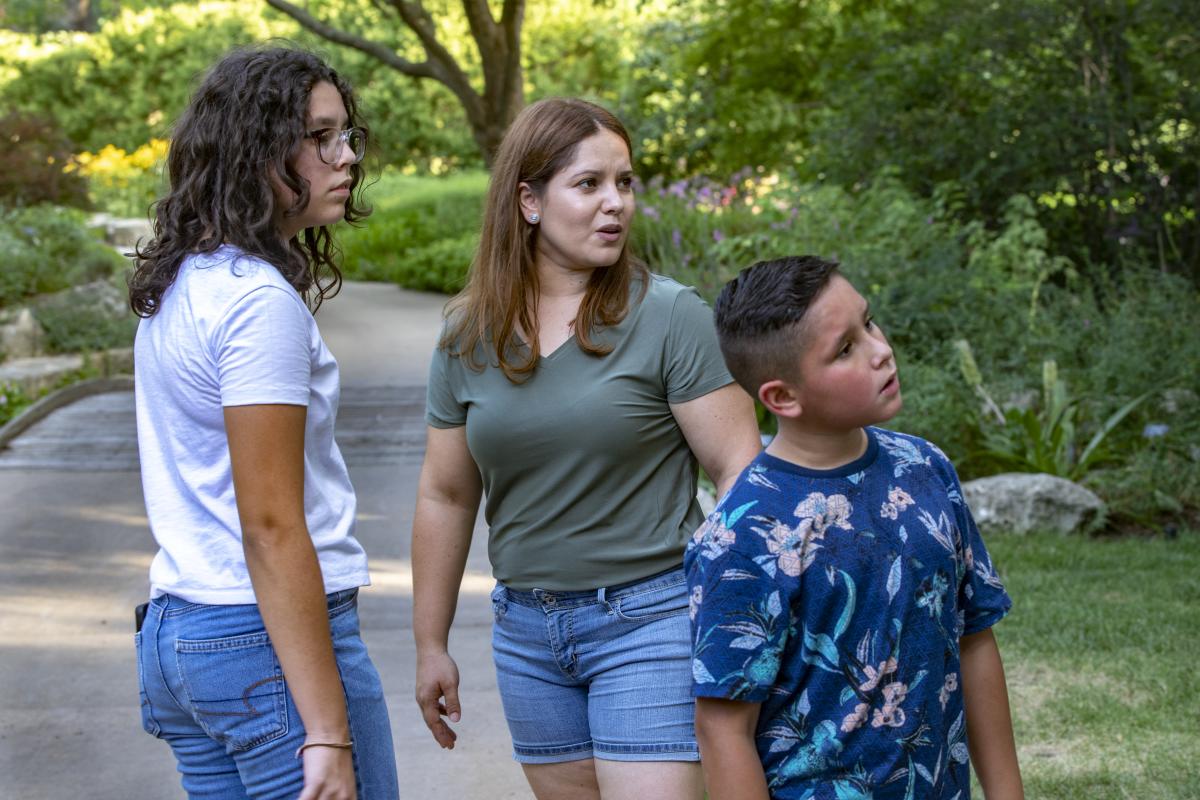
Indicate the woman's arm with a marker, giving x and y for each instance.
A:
(447, 501)
(266, 449)
(989, 721)
(721, 429)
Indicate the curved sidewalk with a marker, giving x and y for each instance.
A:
(74, 551)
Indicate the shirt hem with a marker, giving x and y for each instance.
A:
(242, 596)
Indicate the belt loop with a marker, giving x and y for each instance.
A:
(600, 595)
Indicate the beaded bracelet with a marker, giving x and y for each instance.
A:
(338, 745)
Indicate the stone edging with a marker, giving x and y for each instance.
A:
(56, 400)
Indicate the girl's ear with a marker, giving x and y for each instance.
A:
(781, 398)
(530, 205)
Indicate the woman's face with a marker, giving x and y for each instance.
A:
(328, 184)
(585, 209)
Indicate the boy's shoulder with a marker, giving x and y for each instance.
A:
(906, 451)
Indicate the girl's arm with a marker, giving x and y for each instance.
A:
(266, 448)
(721, 429)
(447, 501)
(989, 721)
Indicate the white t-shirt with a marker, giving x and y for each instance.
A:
(230, 331)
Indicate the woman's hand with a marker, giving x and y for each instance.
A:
(328, 774)
(437, 695)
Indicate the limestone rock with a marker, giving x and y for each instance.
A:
(20, 335)
(1018, 502)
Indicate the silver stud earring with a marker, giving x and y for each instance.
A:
(533, 219)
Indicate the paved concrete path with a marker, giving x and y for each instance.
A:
(74, 551)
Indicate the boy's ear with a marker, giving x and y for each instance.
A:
(781, 398)
(528, 200)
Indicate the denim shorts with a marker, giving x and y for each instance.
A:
(604, 673)
(212, 687)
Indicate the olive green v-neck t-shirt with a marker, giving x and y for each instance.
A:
(587, 477)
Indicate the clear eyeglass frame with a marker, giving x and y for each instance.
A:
(330, 142)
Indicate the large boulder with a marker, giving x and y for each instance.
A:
(1020, 502)
(20, 334)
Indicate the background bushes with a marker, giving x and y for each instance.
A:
(422, 233)
(47, 249)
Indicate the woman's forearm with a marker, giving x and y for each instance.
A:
(441, 540)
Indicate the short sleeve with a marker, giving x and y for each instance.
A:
(694, 366)
(442, 407)
(740, 625)
(982, 599)
(263, 349)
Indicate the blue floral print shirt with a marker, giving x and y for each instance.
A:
(837, 598)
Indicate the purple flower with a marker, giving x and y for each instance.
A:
(1155, 430)
(717, 235)
(651, 212)
(678, 188)
(676, 237)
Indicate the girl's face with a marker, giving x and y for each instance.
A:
(585, 209)
(328, 184)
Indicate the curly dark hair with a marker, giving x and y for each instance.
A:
(244, 124)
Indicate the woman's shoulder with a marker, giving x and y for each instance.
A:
(663, 293)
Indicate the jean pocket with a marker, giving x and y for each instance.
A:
(235, 688)
(499, 603)
(149, 723)
(652, 604)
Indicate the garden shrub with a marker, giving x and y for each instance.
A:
(124, 184)
(79, 320)
(32, 161)
(421, 235)
(47, 249)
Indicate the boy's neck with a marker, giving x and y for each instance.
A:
(818, 449)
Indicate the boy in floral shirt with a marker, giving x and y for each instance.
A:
(842, 598)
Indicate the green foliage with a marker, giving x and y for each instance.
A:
(48, 249)
(127, 83)
(13, 400)
(1046, 438)
(422, 234)
(75, 321)
(1088, 108)
(32, 157)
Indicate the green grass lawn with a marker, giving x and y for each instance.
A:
(1102, 651)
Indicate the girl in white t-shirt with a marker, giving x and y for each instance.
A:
(250, 661)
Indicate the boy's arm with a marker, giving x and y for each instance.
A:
(989, 721)
(725, 732)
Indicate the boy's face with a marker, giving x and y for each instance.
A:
(848, 375)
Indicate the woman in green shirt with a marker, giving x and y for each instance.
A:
(578, 391)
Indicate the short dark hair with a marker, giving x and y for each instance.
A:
(246, 121)
(759, 314)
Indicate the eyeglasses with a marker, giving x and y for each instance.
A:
(329, 143)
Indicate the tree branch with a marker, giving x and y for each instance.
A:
(373, 49)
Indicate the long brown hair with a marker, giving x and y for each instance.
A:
(503, 283)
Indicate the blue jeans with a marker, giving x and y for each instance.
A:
(605, 673)
(211, 686)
